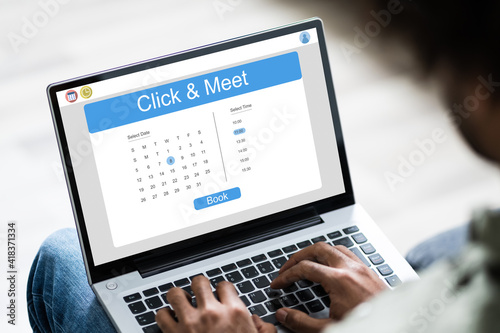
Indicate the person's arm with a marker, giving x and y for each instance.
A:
(344, 277)
(229, 315)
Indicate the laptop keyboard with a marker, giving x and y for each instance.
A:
(252, 277)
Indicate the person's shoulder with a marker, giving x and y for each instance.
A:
(441, 300)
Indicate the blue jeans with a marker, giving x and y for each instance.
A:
(445, 245)
(59, 296)
(60, 299)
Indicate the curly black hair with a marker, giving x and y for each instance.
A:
(464, 34)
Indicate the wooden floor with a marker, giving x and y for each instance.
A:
(387, 116)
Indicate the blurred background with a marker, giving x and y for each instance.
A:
(412, 187)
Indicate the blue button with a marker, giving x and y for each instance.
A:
(217, 198)
(239, 131)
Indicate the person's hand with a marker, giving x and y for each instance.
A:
(210, 316)
(344, 277)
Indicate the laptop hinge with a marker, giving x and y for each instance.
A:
(151, 266)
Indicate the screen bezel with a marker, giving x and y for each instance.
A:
(128, 264)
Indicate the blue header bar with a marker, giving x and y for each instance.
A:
(188, 93)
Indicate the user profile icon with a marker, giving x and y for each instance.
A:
(305, 37)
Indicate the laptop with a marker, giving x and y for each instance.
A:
(222, 160)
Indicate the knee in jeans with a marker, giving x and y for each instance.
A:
(62, 242)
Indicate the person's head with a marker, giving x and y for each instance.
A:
(457, 42)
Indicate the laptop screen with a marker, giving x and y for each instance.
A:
(183, 146)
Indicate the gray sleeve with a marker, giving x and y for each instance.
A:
(453, 296)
